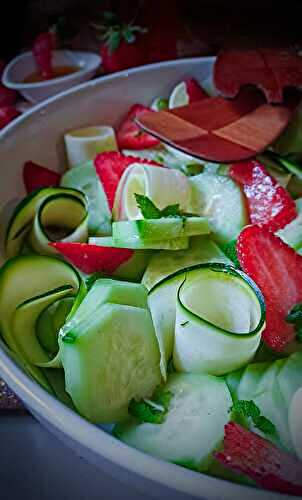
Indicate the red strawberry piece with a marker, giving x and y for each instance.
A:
(195, 91)
(277, 270)
(7, 96)
(35, 176)
(110, 167)
(125, 56)
(43, 47)
(271, 70)
(92, 258)
(130, 136)
(7, 114)
(271, 468)
(269, 204)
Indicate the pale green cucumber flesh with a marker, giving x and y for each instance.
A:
(165, 263)
(22, 218)
(219, 320)
(138, 244)
(220, 200)
(72, 227)
(112, 359)
(49, 323)
(291, 234)
(21, 280)
(194, 425)
(135, 267)
(84, 178)
(152, 230)
(290, 377)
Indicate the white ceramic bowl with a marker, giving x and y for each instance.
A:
(38, 136)
(24, 64)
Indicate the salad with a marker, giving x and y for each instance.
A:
(162, 294)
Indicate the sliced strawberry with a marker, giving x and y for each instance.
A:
(269, 204)
(7, 114)
(43, 50)
(277, 270)
(130, 136)
(110, 167)
(247, 453)
(92, 258)
(195, 91)
(35, 176)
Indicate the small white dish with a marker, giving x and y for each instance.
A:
(24, 65)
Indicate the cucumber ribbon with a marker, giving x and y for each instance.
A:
(162, 185)
(209, 318)
(28, 286)
(59, 208)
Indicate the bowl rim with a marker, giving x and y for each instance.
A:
(96, 61)
(93, 438)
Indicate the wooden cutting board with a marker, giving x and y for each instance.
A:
(219, 129)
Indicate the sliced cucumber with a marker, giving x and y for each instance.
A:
(194, 426)
(290, 377)
(220, 315)
(135, 267)
(22, 219)
(291, 234)
(74, 222)
(164, 263)
(137, 244)
(85, 143)
(244, 309)
(271, 403)
(50, 322)
(233, 380)
(27, 285)
(250, 380)
(109, 352)
(163, 186)
(218, 198)
(294, 417)
(85, 179)
(152, 230)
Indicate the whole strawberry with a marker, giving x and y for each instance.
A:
(122, 44)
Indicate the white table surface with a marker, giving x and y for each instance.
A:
(34, 465)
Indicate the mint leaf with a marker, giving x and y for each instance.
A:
(150, 211)
(147, 207)
(151, 411)
(246, 408)
(249, 409)
(264, 425)
(171, 211)
(230, 250)
(162, 103)
(299, 335)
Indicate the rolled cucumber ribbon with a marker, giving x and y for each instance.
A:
(83, 144)
(162, 185)
(220, 315)
(65, 213)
